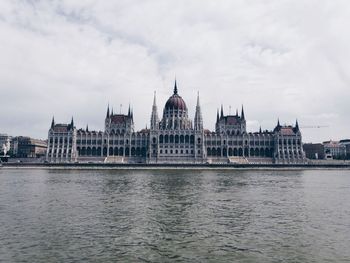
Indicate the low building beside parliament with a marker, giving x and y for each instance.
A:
(175, 139)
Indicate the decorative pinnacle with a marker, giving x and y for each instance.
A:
(175, 88)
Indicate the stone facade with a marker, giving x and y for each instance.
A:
(175, 139)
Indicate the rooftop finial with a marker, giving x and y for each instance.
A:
(53, 122)
(242, 113)
(175, 87)
(154, 99)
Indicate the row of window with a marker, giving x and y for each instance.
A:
(177, 151)
(289, 141)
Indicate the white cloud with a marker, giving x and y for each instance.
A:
(285, 59)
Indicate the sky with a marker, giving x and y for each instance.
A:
(286, 59)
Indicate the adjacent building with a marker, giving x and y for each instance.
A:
(175, 138)
(26, 147)
(314, 151)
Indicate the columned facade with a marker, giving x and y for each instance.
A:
(175, 139)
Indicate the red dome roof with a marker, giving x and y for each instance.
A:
(175, 102)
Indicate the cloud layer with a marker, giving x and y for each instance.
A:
(282, 59)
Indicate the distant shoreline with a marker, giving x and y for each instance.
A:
(109, 166)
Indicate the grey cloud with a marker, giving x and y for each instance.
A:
(285, 59)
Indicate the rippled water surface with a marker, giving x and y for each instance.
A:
(174, 216)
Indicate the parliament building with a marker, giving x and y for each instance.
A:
(175, 139)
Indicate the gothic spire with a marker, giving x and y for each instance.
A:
(175, 88)
(242, 113)
(107, 115)
(217, 115)
(198, 120)
(278, 122)
(260, 130)
(87, 127)
(112, 112)
(297, 125)
(72, 123)
(236, 112)
(53, 122)
(222, 112)
(154, 114)
(154, 99)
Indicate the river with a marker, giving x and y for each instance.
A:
(174, 215)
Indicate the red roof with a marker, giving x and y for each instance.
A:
(175, 102)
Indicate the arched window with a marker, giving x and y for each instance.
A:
(230, 152)
(213, 152)
(182, 139)
(143, 152)
(105, 151)
(116, 151)
(127, 151)
(176, 138)
(110, 152)
(218, 152)
(166, 138)
(240, 152)
(192, 139)
(251, 151)
(121, 151)
(161, 138)
(208, 152)
(256, 151)
(93, 151)
(199, 140)
(187, 139)
(235, 152)
(133, 151)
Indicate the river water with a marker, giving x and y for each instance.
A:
(174, 216)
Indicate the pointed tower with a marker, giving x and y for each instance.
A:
(175, 88)
(296, 125)
(129, 111)
(198, 120)
(260, 130)
(237, 112)
(87, 127)
(72, 123)
(242, 113)
(107, 115)
(53, 122)
(154, 115)
(222, 112)
(217, 116)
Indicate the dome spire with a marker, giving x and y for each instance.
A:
(175, 87)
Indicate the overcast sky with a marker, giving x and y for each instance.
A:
(282, 59)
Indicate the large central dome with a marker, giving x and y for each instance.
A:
(175, 115)
(175, 102)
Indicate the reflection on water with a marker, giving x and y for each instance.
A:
(165, 216)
